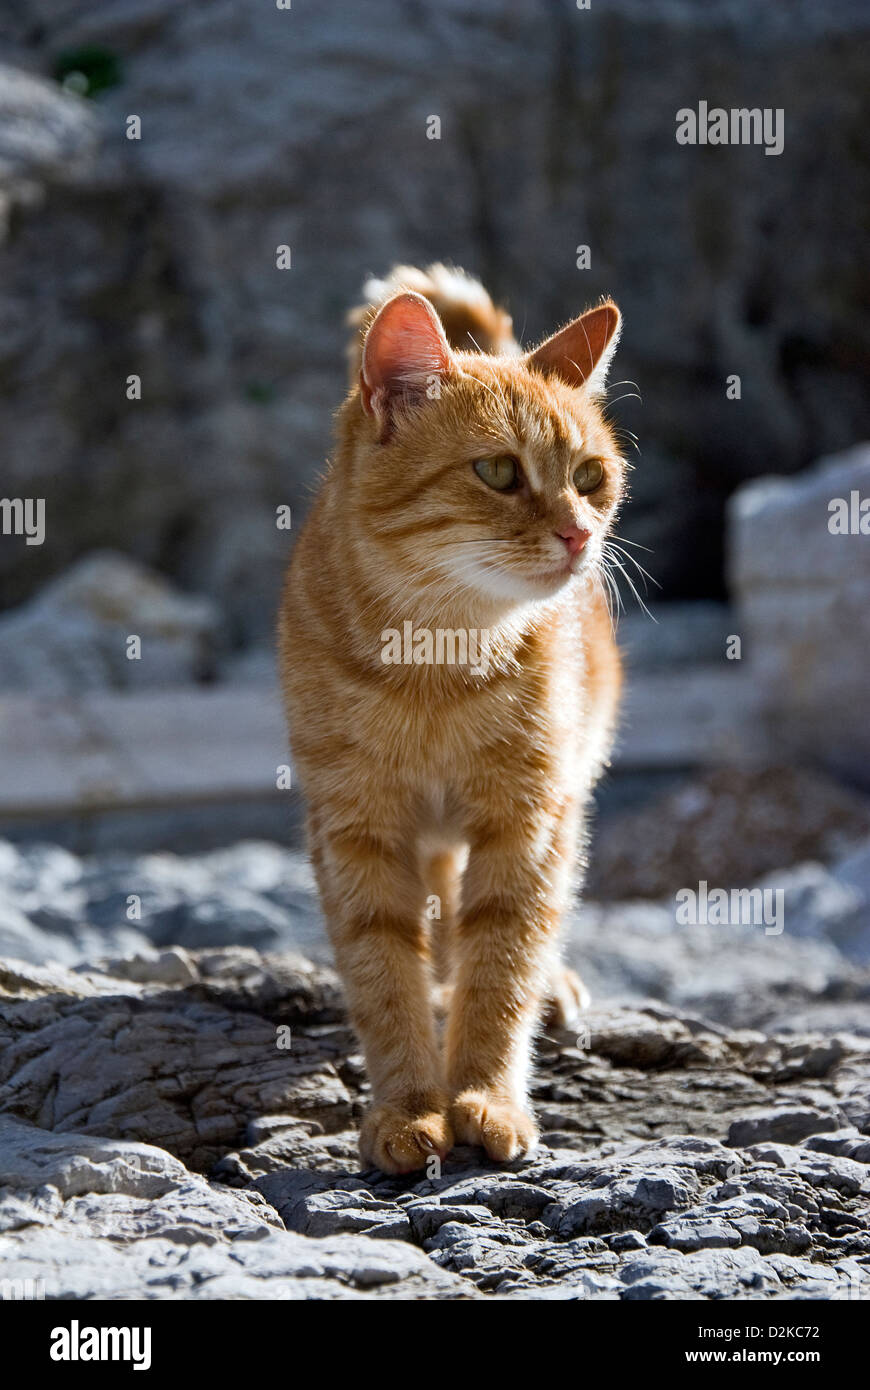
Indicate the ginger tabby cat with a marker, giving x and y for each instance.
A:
(472, 492)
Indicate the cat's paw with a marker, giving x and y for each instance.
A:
(567, 997)
(503, 1129)
(398, 1142)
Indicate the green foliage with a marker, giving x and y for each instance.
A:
(88, 70)
(261, 392)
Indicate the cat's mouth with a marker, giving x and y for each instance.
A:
(555, 575)
(528, 577)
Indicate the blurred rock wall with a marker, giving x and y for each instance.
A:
(307, 127)
(799, 552)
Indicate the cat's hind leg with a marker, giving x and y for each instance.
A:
(442, 867)
(566, 997)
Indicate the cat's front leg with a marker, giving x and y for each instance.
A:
(516, 888)
(374, 902)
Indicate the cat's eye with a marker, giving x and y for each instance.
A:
(501, 473)
(588, 475)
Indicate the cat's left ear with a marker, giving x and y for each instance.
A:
(580, 352)
(405, 357)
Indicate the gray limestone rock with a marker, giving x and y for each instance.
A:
(157, 1142)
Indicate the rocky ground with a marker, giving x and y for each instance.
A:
(179, 1120)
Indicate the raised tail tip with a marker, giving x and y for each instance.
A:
(472, 321)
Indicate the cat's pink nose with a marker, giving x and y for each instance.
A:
(574, 537)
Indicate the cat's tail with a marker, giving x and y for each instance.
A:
(471, 320)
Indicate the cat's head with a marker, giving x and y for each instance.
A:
(496, 475)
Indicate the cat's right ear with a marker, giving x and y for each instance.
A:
(580, 353)
(405, 357)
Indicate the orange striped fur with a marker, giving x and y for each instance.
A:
(446, 804)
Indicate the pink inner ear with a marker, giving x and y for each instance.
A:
(575, 351)
(405, 346)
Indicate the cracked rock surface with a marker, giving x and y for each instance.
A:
(183, 1125)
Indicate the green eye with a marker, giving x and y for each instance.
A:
(502, 472)
(588, 475)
